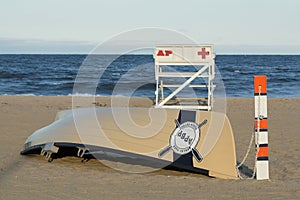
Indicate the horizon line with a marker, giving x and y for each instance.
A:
(82, 53)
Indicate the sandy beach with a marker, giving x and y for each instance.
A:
(32, 177)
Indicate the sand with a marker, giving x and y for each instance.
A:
(32, 177)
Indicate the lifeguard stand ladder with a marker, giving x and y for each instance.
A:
(184, 56)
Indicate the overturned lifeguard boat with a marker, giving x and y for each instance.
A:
(186, 136)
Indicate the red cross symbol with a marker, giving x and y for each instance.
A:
(203, 53)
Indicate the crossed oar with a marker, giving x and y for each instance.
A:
(195, 152)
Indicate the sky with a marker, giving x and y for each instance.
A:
(77, 26)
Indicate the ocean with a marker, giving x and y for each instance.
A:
(54, 75)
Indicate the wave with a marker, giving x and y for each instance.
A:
(54, 75)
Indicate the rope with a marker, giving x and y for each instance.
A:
(244, 159)
(251, 141)
(248, 151)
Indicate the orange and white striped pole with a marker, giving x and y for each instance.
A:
(261, 127)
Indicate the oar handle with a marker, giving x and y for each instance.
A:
(202, 123)
(197, 155)
(165, 150)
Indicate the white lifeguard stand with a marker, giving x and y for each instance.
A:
(184, 56)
